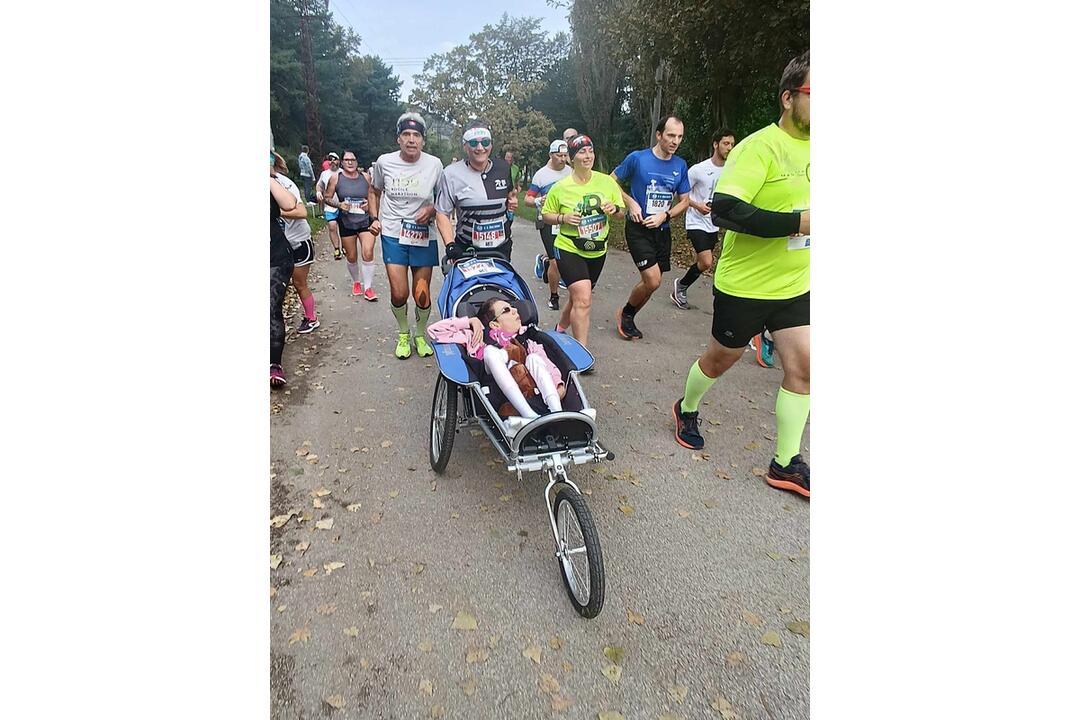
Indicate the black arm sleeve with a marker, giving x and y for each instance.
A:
(731, 213)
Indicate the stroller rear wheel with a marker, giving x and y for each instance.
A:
(443, 423)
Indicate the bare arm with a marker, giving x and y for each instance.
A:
(284, 198)
(331, 188)
(446, 228)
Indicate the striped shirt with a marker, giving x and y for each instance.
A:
(480, 200)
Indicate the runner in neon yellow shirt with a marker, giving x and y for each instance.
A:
(762, 281)
(581, 204)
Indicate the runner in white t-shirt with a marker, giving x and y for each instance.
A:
(402, 199)
(555, 170)
(700, 230)
(298, 233)
(330, 213)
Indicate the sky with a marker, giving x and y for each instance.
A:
(407, 34)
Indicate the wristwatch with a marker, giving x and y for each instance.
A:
(667, 216)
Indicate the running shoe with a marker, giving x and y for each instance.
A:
(686, 427)
(562, 283)
(422, 347)
(357, 289)
(540, 268)
(795, 477)
(369, 295)
(337, 253)
(307, 326)
(763, 350)
(626, 327)
(679, 296)
(277, 376)
(553, 302)
(404, 347)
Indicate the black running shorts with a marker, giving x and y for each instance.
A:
(365, 226)
(305, 254)
(649, 246)
(547, 236)
(735, 319)
(702, 240)
(573, 267)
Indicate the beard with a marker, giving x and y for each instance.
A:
(800, 120)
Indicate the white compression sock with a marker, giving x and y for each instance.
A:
(538, 369)
(495, 361)
(369, 272)
(354, 271)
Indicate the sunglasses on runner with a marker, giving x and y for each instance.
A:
(486, 142)
(804, 89)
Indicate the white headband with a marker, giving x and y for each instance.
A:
(476, 133)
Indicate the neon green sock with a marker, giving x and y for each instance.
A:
(697, 384)
(792, 410)
(422, 315)
(402, 315)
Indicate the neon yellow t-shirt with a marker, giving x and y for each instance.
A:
(589, 239)
(770, 170)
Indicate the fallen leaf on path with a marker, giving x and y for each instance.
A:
(426, 687)
(751, 618)
(504, 498)
(425, 646)
(332, 566)
(434, 608)
(722, 706)
(326, 524)
(386, 443)
(609, 715)
(612, 673)
(555, 642)
(273, 591)
(567, 666)
(275, 560)
(320, 492)
(468, 686)
(476, 655)
(757, 472)
(533, 653)
(281, 608)
(668, 716)
(327, 609)
(773, 555)
(376, 518)
(300, 635)
(418, 568)
(493, 641)
(353, 507)
(317, 504)
(800, 627)
(394, 493)
(626, 509)
(559, 703)
(722, 475)
(312, 459)
(548, 683)
(279, 520)
(710, 504)
(771, 638)
(635, 618)
(335, 701)
(302, 546)
(464, 621)
(683, 514)
(735, 658)
(310, 572)
(437, 711)
(351, 631)
(615, 654)
(677, 693)
(302, 451)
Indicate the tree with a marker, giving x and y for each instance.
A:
(494, 77)
(601, 72)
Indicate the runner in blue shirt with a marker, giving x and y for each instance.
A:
(659, 191)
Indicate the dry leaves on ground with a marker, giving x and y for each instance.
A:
(320, 492)
(335, 701)
(548, 683)
(351, 631)
(722, 706)
(275, 561)
(310, 572)
(464, 621)
(556, 643)
(678, 693)
(757, 472)
(634, 618)
(326, 524)
(425, 686)
(468, 686)
(332, 566)
(476, 655)
(626, 509)
(533, 653)
(771, 638)
(280, 520)
(302, 546)
(300, 635)
(353, 507)
(612, 673)
(425, 646)
(327, 609)
(609, 715)
(800, 627)
(751, 618)
(560, 703)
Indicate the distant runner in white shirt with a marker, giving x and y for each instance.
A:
(330, 213)
(555, 170)
(699, 226)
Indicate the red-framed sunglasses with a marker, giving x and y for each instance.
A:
(804, 89)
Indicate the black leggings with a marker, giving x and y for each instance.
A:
(279, 280)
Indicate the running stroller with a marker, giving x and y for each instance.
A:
(465, 395)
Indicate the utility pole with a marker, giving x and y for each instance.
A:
(311, 105)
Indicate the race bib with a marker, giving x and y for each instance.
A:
(657, 201)
(357, 206)
(591, 226)
(488, 234)
(798, 242)
(472, 268)
(414, 234)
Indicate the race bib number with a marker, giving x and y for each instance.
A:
(472, 268)
(591, 226)
(357, 206)
(657, 201)
(798, 242)
(414, 234)
(488, 234)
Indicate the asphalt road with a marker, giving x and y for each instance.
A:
(712, 562)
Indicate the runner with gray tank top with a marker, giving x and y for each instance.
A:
(348, 191)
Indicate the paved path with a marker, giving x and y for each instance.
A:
(712, 563)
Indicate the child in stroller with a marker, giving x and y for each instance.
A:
(512, 354)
